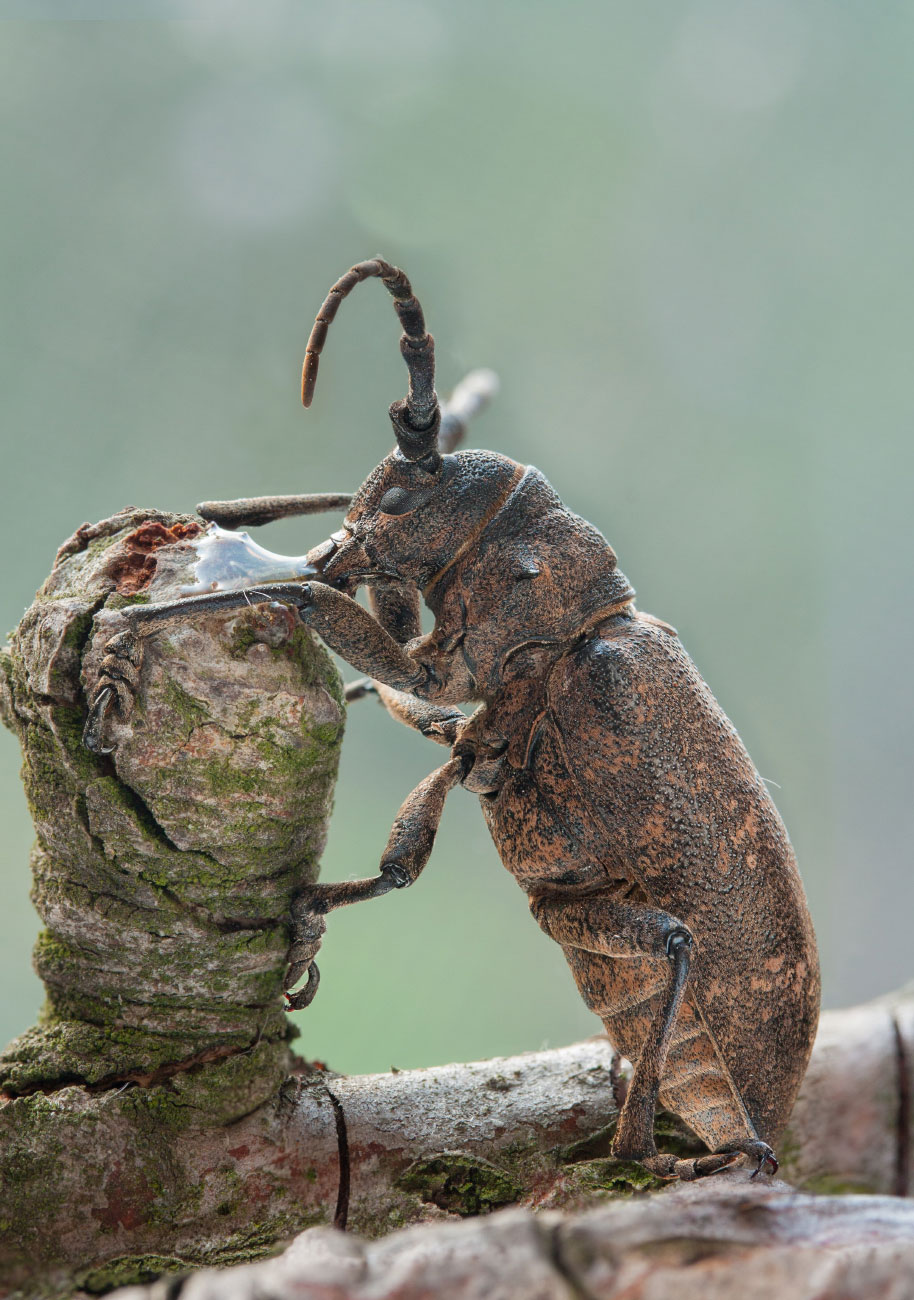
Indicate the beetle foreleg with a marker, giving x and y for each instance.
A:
(338, 620)
(397, 610)
(346, 627)
(409, 847)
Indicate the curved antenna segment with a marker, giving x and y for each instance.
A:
(415, 420)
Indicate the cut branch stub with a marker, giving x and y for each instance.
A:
(164, 871)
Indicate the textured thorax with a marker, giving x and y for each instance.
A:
(536, 575)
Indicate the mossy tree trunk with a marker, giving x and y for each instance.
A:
(163, 873)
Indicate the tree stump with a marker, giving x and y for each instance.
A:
(163, 873)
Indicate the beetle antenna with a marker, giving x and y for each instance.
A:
(417, 418)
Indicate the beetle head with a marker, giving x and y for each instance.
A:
(416, 509)
(424, 516)
(410, 518)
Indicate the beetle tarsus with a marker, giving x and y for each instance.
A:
(761, 1152)
(118, 682)
(308, 928)
(671, 1167)
(304, 997)
(706, 1166)
(93, 731)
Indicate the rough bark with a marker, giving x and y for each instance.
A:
(163, 873)
(712, 1240)
(199, 1170)
(155, 1121)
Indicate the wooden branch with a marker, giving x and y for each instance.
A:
(200, 1171)
(717, 1239)
(155, 1120)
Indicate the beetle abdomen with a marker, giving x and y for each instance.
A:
(550, 844)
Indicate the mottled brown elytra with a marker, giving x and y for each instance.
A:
(616, 790)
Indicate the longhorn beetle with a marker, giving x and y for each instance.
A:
(617, 792)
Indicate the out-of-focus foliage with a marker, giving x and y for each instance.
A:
(682, 235)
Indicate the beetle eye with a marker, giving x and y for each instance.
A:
(395, 501)
(399, 500)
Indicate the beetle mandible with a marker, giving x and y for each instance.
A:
(617, 792)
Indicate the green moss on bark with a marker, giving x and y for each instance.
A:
(460, 1183)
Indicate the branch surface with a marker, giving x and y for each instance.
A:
(155, 1120)
(712, 1240)
(201, 1171)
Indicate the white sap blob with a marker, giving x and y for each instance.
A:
(228, 561)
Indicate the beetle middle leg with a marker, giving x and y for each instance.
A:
(409, 847)
(439, 722)
(604, 925)
(338, 619)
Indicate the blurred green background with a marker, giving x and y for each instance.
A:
(680, 232)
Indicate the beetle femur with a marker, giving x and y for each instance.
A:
(417, 418)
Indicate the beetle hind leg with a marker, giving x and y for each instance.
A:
(701, 1166)
(668, 1166)
(602, 924)
(635, 1134)
(611, 927)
